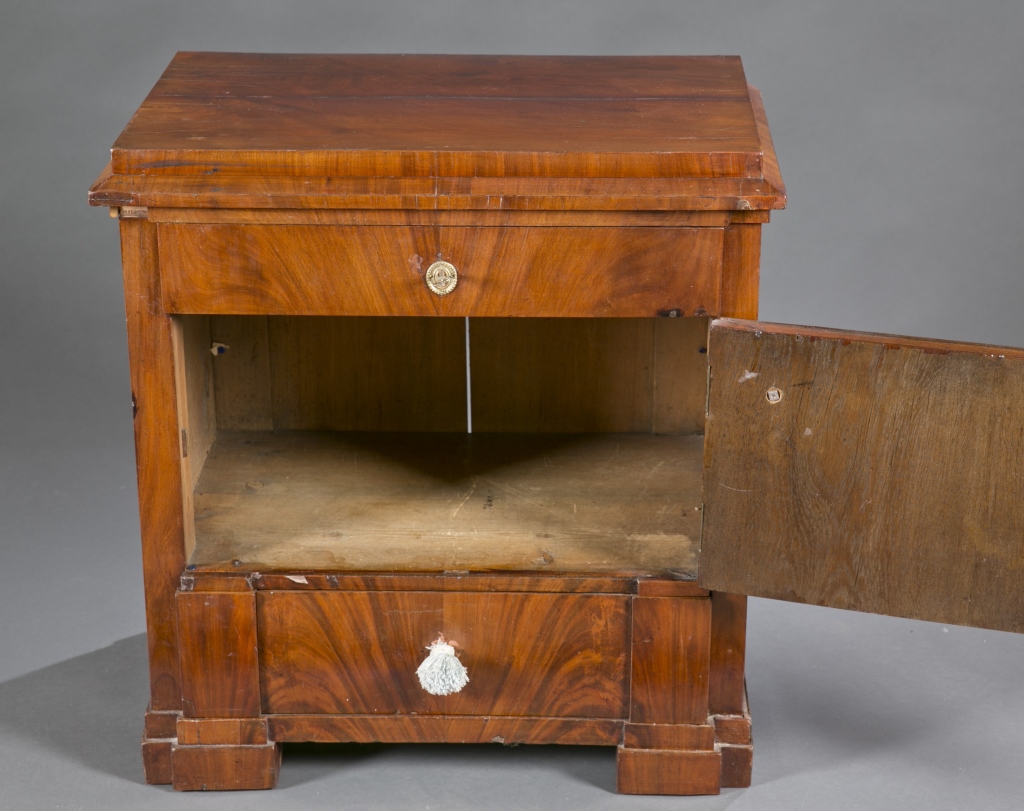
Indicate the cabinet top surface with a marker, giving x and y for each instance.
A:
(422, 117)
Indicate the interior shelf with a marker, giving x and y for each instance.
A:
(428, 502)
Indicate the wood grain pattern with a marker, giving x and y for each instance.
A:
(440, 581)
(445, 729)
(368, 374)
(671, 650)
(193, 383)
(219, 671)
(371, 270)
(156, 761)
(741, 271)
(727, 689)
(562, 375)
(242, 374)
(430, 75)
(733, 729)
(737, 766)
(656, 771)
(225, 768)
(160, 724)
(444, 137)
(444, 115)
(680, 372)
(614, 375)
(662, 587)
(222, 731)
(770, 162)
(379, 502)
(327, 652)
(500, 218)
(544, 201)
(669, 736)
(887, 478)
(157, 453)
(197, 414)
(530, 375)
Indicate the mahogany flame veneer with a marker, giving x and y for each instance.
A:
(426, 347)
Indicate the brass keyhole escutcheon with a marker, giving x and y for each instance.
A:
(441, 278)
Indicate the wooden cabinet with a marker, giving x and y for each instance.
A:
(455, 347)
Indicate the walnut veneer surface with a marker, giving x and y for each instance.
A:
(310, 522)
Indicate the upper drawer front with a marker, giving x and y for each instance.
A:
(554, 655)
(379, 270)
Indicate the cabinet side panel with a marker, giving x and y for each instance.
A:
(680, 375)
(866, 472)
(197, 421)
(741, 270)
(219, 671)
(157, 443)
(195, 367)
(671, 650)
(242, 373)
(368, 374)
(728, 652)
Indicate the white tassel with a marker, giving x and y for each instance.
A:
(441, 673)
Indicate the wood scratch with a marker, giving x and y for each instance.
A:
(466, 498)
(735, 489)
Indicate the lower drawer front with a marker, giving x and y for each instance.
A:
(380, 270)
(549, 655)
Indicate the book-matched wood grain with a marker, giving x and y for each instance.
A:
(347, 270)
(884, 475)
(219, 671)
(526, 654)
(671, 650)
(157, 453)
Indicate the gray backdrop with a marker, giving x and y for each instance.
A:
(900, 131)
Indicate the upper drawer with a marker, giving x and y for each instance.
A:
(379, 270)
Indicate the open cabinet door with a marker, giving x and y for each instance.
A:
(869, 472)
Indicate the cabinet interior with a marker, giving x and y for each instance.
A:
(340, 443)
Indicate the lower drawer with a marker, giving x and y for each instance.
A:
(553, 655)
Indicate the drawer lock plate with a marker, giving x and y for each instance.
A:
(441, 278)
